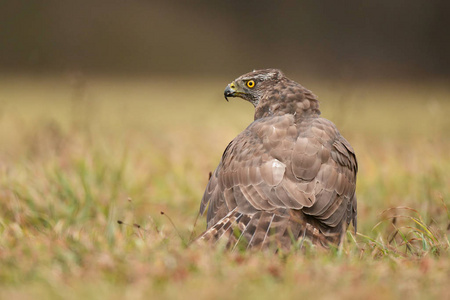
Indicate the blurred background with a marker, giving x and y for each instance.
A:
(400, 39)
(114, 110)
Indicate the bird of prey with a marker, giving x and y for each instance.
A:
(289, 176)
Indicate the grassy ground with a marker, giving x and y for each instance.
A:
(78, 154)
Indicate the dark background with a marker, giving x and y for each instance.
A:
(345, 39)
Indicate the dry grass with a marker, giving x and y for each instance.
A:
(78, 154)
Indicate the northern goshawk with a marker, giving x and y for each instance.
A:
(288, 176)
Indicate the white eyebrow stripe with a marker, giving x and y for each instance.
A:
(260, 76)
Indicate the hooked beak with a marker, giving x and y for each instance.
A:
(229, 91)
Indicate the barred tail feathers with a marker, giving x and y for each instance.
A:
(262, 230)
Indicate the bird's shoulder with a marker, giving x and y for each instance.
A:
(274, 136)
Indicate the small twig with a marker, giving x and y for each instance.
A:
(173, 224)
(135, 225)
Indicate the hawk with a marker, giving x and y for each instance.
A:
(288, 176)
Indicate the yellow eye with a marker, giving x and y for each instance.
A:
(251, 83)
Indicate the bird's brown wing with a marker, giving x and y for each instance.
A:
(283, 177)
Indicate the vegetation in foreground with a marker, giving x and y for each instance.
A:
(81, 154)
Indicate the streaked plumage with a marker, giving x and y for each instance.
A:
(290, 175)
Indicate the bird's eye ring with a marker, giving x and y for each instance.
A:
(251, 83)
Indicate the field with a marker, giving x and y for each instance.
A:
(78, 154)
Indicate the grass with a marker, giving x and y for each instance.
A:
(78, 154)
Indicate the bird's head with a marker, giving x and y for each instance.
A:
(252, 86)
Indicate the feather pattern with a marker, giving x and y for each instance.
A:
(289, 175)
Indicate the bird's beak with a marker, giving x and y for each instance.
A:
(230, 91)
